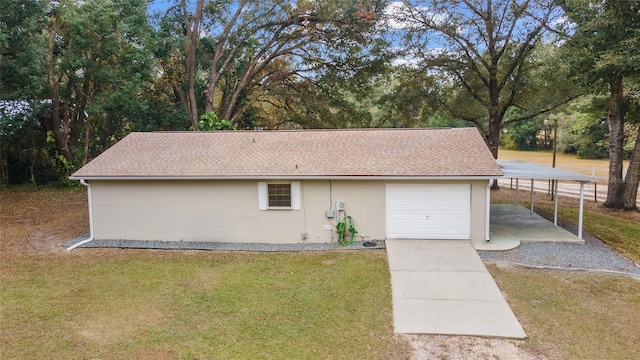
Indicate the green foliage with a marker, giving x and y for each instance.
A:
(583, 129)
(603, 49)
(106, 52)
(486, 70)
(99, 64)
(273, 64)
(23, 157)
(524, 135)
(63, 167)
(22, 50)
(442, 118)
(407, 97)
(604, 43)
(590, 136)
(210, 122)
(507, 142)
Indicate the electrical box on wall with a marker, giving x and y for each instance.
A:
(339, 205)
(331, 213)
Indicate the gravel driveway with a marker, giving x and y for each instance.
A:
(594, 255)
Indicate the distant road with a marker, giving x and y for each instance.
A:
(565, 188)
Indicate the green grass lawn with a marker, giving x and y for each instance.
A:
(572, 315)
(199, 305)
(134, 304)
(575, 315)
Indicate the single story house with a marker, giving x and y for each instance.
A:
(291, 186)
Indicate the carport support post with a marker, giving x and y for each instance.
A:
(580, 211)
(555, 204)
(531, 196)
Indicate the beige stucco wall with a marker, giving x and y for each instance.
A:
(227, 210)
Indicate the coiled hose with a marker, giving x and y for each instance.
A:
(346, 225)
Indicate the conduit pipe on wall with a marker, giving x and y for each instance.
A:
(487, 213)
(84, 183)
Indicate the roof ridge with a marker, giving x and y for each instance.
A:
(300, 130)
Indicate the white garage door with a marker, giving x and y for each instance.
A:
(416, 211)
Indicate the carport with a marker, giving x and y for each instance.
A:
(520, 170)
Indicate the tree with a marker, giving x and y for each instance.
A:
(583, 128)
(233, 55)
(85, 61)
(408, 98)
(490, 54)
(523, 135)
(604, 53)
(22, 50)
(97, 67)
(23, 158)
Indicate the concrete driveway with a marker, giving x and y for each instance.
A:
(442, 287)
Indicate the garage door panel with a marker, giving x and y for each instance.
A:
(412, 219)
(427, 210)
(432, 204)
(419, 211)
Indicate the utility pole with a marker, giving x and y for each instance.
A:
(555, 149)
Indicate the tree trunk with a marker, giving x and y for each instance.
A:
(4, 176)
(616, 140)
(630, 193)
(87, 137)
(493, 129)
(492, 139)
(217, 69)
(55, 124)
(193, 37)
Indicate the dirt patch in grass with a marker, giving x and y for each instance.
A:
(38, 221)
(442, 347)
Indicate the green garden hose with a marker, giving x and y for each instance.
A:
(346, 225)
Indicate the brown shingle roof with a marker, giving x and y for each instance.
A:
(304, 153)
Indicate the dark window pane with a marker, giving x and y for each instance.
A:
(279, 195)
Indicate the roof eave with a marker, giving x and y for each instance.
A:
(292, 177)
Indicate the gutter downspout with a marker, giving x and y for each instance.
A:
(487, 216)
(84, 183)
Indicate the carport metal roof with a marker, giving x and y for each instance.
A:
(524, 170)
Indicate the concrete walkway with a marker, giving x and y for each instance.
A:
(514, 224)
(442, 287)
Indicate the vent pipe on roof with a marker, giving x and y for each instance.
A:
(84, 183)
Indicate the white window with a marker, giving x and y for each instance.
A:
(279, 195)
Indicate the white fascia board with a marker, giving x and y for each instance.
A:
(269, 177)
